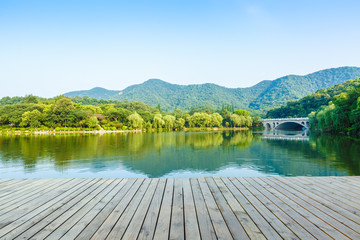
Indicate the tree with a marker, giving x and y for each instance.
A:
(237, 120)
(148, 125)
(30, 99)
(169, 122)
(199, 120)
(61, 110)
(92, 122)
(135, 120)
(178, 113)
(179, 123)
(158, 107)
(216, 120)
(248, 121)
(158, 121)
(241, 112)
(32, 119)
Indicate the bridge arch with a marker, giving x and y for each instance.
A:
(290, 126)
(286, 123)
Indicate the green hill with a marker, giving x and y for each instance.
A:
(312, 102)
(264, 95)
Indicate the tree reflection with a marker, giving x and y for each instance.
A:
(158, 154)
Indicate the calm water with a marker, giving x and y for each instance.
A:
(175, 154)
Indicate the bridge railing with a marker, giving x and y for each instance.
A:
(286, 119)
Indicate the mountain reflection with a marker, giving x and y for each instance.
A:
(160, 154)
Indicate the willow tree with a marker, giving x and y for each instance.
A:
(135, 120)
(169, 122)
(158, 121)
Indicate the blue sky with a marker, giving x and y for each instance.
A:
(52, 47)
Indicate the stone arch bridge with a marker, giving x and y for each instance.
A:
(286, 123)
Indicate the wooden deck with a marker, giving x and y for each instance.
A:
(181, 208)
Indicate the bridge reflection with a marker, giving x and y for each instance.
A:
(286, 135)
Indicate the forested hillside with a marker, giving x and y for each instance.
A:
(312, 102)
(342, 114)
(262, 96)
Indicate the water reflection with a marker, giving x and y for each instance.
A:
(227, 153)
(287, 135)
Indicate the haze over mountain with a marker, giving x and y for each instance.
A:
(264, 95)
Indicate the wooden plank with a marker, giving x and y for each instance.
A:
(177, 228)
(12, 195)
(304, 222)
(109, 223)
(135, 224)
(28, 228)
(288, 222)
(12, 213)
(148, 228)
(221, 229)
(120, 227)
(13, 185)
(283, 195)
(55, 223)
(32, 193)
(329, 196)
(207, 230)
(94, 225)
(197, 208)
(190, 217)
(331, 189)
(259, 220)
(163, 224)
(3, 180)
(28, 194)
(237, 230)
(348, 182)
(58, 228)
(269, 216)
(82, 223)
(8, 193)
(325, 206)
(337, 188)
(250, 227)
(47, 201)
(355, 180)
(343, 232)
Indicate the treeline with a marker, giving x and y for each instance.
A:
(312, 102)
(342, 114)
(83, 113)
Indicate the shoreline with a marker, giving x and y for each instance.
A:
(53, 132)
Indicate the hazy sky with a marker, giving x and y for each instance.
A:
(52, 47)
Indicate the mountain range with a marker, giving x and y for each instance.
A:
(265, 95)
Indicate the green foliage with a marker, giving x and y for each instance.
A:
(32, 119)
(199, 120)
(92, 122)
(169, 122)
(135, 121)
(312, 102)
(341, 115)
(216, 120)
(66, 114)
(180, 124)
(158, 121)
(242, 112)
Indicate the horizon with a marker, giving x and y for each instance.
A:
(50, 48)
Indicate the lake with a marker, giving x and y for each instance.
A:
(178, 154)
